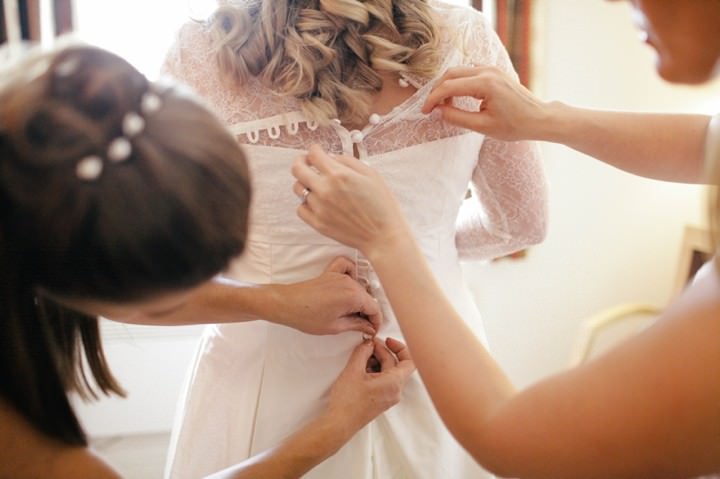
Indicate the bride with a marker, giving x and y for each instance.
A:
(350, 76)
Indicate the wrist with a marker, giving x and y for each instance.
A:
(336, 428)
(553, 122)
(273, 298)
(389, 245)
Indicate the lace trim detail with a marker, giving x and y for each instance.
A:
(273, 126)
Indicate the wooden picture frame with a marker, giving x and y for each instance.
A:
(3, 27)
(514, 27)
(696, 250)
(11, 27)
(21, 19)
(63, 15)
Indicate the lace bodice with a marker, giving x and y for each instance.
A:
(507, 210)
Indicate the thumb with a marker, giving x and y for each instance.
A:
(342, 265)
(359, 357)
(472, 120)
(354, 322)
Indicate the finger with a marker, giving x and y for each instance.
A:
(357, 323)
(342, 265)
(298, 188)
(463, 86)
(451, 74)
(304, 174)
(353, 163)
(332, 164)
(398, 348)
(406, 366)
(359, 358)
(306, 214)
(472, 120)
(318, 158)
(371, 309)
(470, 71)
(383, 354)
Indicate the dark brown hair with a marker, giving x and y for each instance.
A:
(169, 217)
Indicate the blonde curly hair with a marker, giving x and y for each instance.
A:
(326, 53)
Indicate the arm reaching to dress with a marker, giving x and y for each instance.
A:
(666, 147)
(331, 303)
(646, 409)
(357, 397)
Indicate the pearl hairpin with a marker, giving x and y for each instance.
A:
(119, 149)
(89, 168)
(150, 103)
(67, 67)
(133, 124)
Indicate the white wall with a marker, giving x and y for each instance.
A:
(151, 364)
(613, 237)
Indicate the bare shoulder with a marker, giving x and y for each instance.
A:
(25, 453)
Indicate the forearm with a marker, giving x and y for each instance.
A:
(294, 457)
(667, 147)
(221, 301)
(475, 242)
(449, 356)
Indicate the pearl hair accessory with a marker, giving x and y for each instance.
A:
(119, 149)
(89, 168)
(150, 103)
(133, 124)
(67, 67)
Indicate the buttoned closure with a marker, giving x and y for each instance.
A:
(357, 136)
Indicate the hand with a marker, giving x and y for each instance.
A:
(359, 395)
(508, 111)
(349, 201)
(332, 303)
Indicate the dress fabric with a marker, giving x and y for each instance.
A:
(252, 384)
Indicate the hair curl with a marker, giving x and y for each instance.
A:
(327, 53)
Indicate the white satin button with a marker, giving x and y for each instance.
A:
(374, 119)
(357, 136)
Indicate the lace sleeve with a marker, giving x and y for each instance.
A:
(172, 64)
(508, 207)
(189, 61)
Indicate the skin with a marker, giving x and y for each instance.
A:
(648, 408)
(329, 304)
(673, 29)
(667, 147)
(27, 453)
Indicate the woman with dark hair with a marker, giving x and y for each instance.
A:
(649, 408)
(124, 198)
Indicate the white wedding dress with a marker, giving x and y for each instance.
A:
(252, 384)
